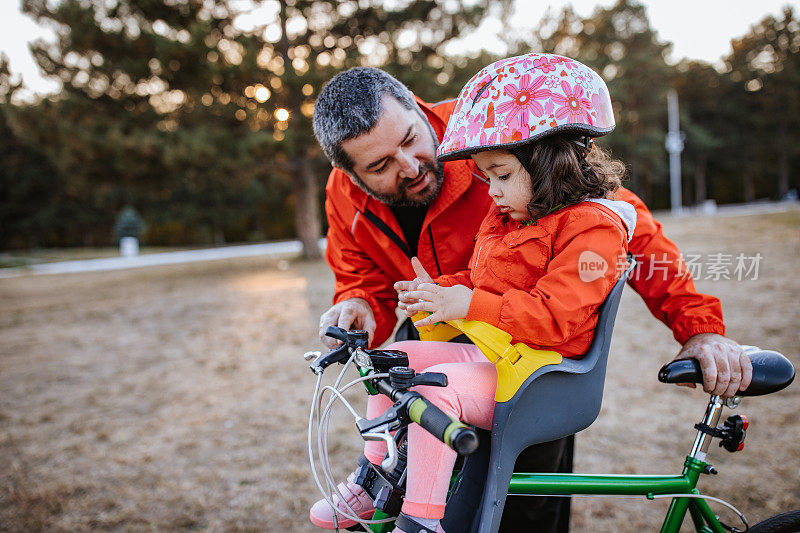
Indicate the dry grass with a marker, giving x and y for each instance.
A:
(175, 398)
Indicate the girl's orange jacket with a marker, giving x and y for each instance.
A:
(544, 283)
(365, 247)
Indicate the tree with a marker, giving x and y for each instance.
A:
(619, 43)
(30, 206)
(153, 114)
(315, 39)
(704, 112)
(765, 66)
(200, 104)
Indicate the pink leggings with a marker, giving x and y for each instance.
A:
(469, 396)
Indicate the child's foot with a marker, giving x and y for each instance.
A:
(322, 515)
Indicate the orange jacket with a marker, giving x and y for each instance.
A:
(362, 233)
(663, 281)
(366, 260)
(544, 283)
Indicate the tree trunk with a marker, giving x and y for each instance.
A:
(749, 188)
(306, 211)
(635, 184)
(304, 184)
(219, 235)
(700, 180)
(783, 159)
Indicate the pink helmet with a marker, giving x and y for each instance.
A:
(520, 99)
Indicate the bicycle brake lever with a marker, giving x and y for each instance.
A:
(433, 379)
(388, 421)
(338, 355)
(390, 462)
(308, 356)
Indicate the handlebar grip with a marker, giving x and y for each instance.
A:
(454, 433)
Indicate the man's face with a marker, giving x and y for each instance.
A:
(395, 162)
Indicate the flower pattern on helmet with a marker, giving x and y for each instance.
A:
(573, 104)
(488, 140)
(543, 64)
(552, 82)
(475, 125)
(473, 94)
(523, 101)
(526, 97)
(602, 104)
(459, 138)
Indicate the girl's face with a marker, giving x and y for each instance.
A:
(509, 183)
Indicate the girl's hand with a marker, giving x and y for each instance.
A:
(444, 303)
(403, 287)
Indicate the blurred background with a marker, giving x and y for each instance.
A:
(196, 113)
(174, 397)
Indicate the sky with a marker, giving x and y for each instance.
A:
(698, 29)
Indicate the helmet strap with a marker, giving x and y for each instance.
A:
(585, 143)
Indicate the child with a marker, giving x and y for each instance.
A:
(545, 258)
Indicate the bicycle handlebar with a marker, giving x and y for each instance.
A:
(454, 433)
(410, 406)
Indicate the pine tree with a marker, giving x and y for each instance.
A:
(620, 45)
(195, 108)
(765, 66)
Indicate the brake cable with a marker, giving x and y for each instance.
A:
(323, 445)
(322, 417)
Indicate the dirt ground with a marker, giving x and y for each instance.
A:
(176, 398)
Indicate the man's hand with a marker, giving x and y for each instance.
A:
(726, 368)
(444, 303)
(353, 313)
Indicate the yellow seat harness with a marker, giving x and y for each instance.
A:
(514, 362)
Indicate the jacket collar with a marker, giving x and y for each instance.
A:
(502, 223)
(458, 175)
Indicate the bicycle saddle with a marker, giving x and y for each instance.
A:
(771, 372)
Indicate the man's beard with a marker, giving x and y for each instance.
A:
(401, 199)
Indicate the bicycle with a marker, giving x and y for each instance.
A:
(386, 372)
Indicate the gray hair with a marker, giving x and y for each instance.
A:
(350, 105)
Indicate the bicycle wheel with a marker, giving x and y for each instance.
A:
(782, 523)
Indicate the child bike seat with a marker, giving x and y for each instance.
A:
(565, 399)
(771, 372)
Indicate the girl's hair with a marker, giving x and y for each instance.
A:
(563, 173)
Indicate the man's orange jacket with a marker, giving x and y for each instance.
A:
(367, 252)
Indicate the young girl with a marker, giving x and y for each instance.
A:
(545, 258)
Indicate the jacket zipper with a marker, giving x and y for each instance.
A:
(433, 249)
(480, 249)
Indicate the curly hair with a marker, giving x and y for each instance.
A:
(563, 172)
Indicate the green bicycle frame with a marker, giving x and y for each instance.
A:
(705, 521)
(648, 486)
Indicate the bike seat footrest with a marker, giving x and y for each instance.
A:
(385, 494)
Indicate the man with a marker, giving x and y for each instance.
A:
(388, 200)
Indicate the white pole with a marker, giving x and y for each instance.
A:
(674, 145)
